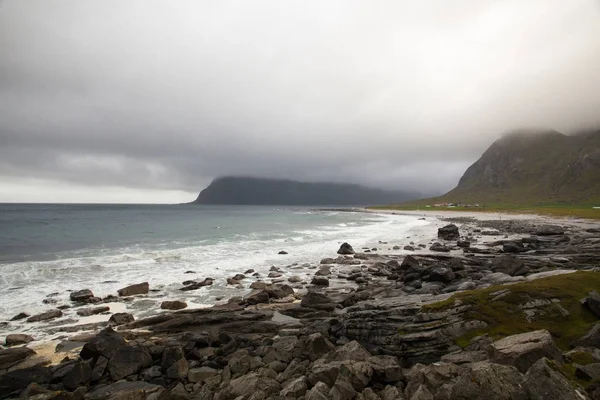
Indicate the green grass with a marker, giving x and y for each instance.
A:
(556, 210)
(504, 316)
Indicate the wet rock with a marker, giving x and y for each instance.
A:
(173, 305)
(294, 279)
(509, 265)
(523, 350)
(131, 290)
(544, 381)
(106, 343)
(17, 338)
(19, 316)
(463, 243)
(409, 248)
(120, 319)
(81, 296)
(137, 390)
(318, 301)
(439, 247)
(197, 285)
(128, 360)
(549, 230)
(257, 297)
(323, 271)
(320, 281)
(328, 261)
(345, 248)
(487, 381)
(410, 263)
(45, 316)
(283, 252)
(279, 291)
(275, 275)
(86, 312)
(13, 356)
(512, 247)
(441, 274)
(448, 232)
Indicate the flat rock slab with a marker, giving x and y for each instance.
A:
(523, 350)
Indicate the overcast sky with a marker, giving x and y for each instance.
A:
(148, 101)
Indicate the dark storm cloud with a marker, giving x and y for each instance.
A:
(167, 95)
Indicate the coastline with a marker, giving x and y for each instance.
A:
(344, 287)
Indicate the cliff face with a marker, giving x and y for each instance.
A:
(258, 191)
(534, 167)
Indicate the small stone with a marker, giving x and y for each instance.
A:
(173, 305)
(120, 319)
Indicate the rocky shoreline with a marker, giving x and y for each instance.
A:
(391, 332)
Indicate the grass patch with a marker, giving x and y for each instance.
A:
(505, 317)
(555, 210)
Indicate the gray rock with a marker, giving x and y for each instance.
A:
(45, 316)
(257, 297)
(439, 247)
(342, 390)
(279, 290)
(591, 338)
(544, 381)
(79, 375)
(295, 388)
(509, 265)
(173, 305)
(324, 371)
(465, 357)
(316, 346)
(13, 356)
(449, 232)
(592, 302)
(320, 281)
(120, 319)
(317, 300)
(81, 295)
(106, 343)
(128, 391)
(250, 383)
(353, 351)
(358, 374)
(345, 248)
(17, 338)
(487, 381)
(589, 372)
(201, 374)
(386, 369)
(20, 316)
(549, 230)
(319, 392)
(86, 312)
(512, 247)
(131, 290)
(128, 360)
(523, 350)
(178, 370)
(422, 393)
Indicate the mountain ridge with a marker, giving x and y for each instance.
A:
(533, 167)
(240, 190)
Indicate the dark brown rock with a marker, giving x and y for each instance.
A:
(173, 305)
(131, 290)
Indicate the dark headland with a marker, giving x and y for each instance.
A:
(235, 190)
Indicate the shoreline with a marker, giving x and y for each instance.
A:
(362, 291)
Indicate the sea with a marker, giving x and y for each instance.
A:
(48, 250)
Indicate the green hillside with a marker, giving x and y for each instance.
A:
(528, 168)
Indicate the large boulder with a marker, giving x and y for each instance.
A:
(106, 343)
(257, 297)
(448, 232)
(509, 265)
(345, 248)
(488, 381)
(386, 369)
(79, 375)
(279, 291)
(545, 381)
(129, 360)
(591, 338)
(523, 350)
(248, 384)
(14, 382)
(295, 388)
(131, 290)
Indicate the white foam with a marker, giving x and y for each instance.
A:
(24, 285)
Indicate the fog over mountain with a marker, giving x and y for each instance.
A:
(148, 101)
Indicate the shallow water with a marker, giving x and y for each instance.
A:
(47, 249)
